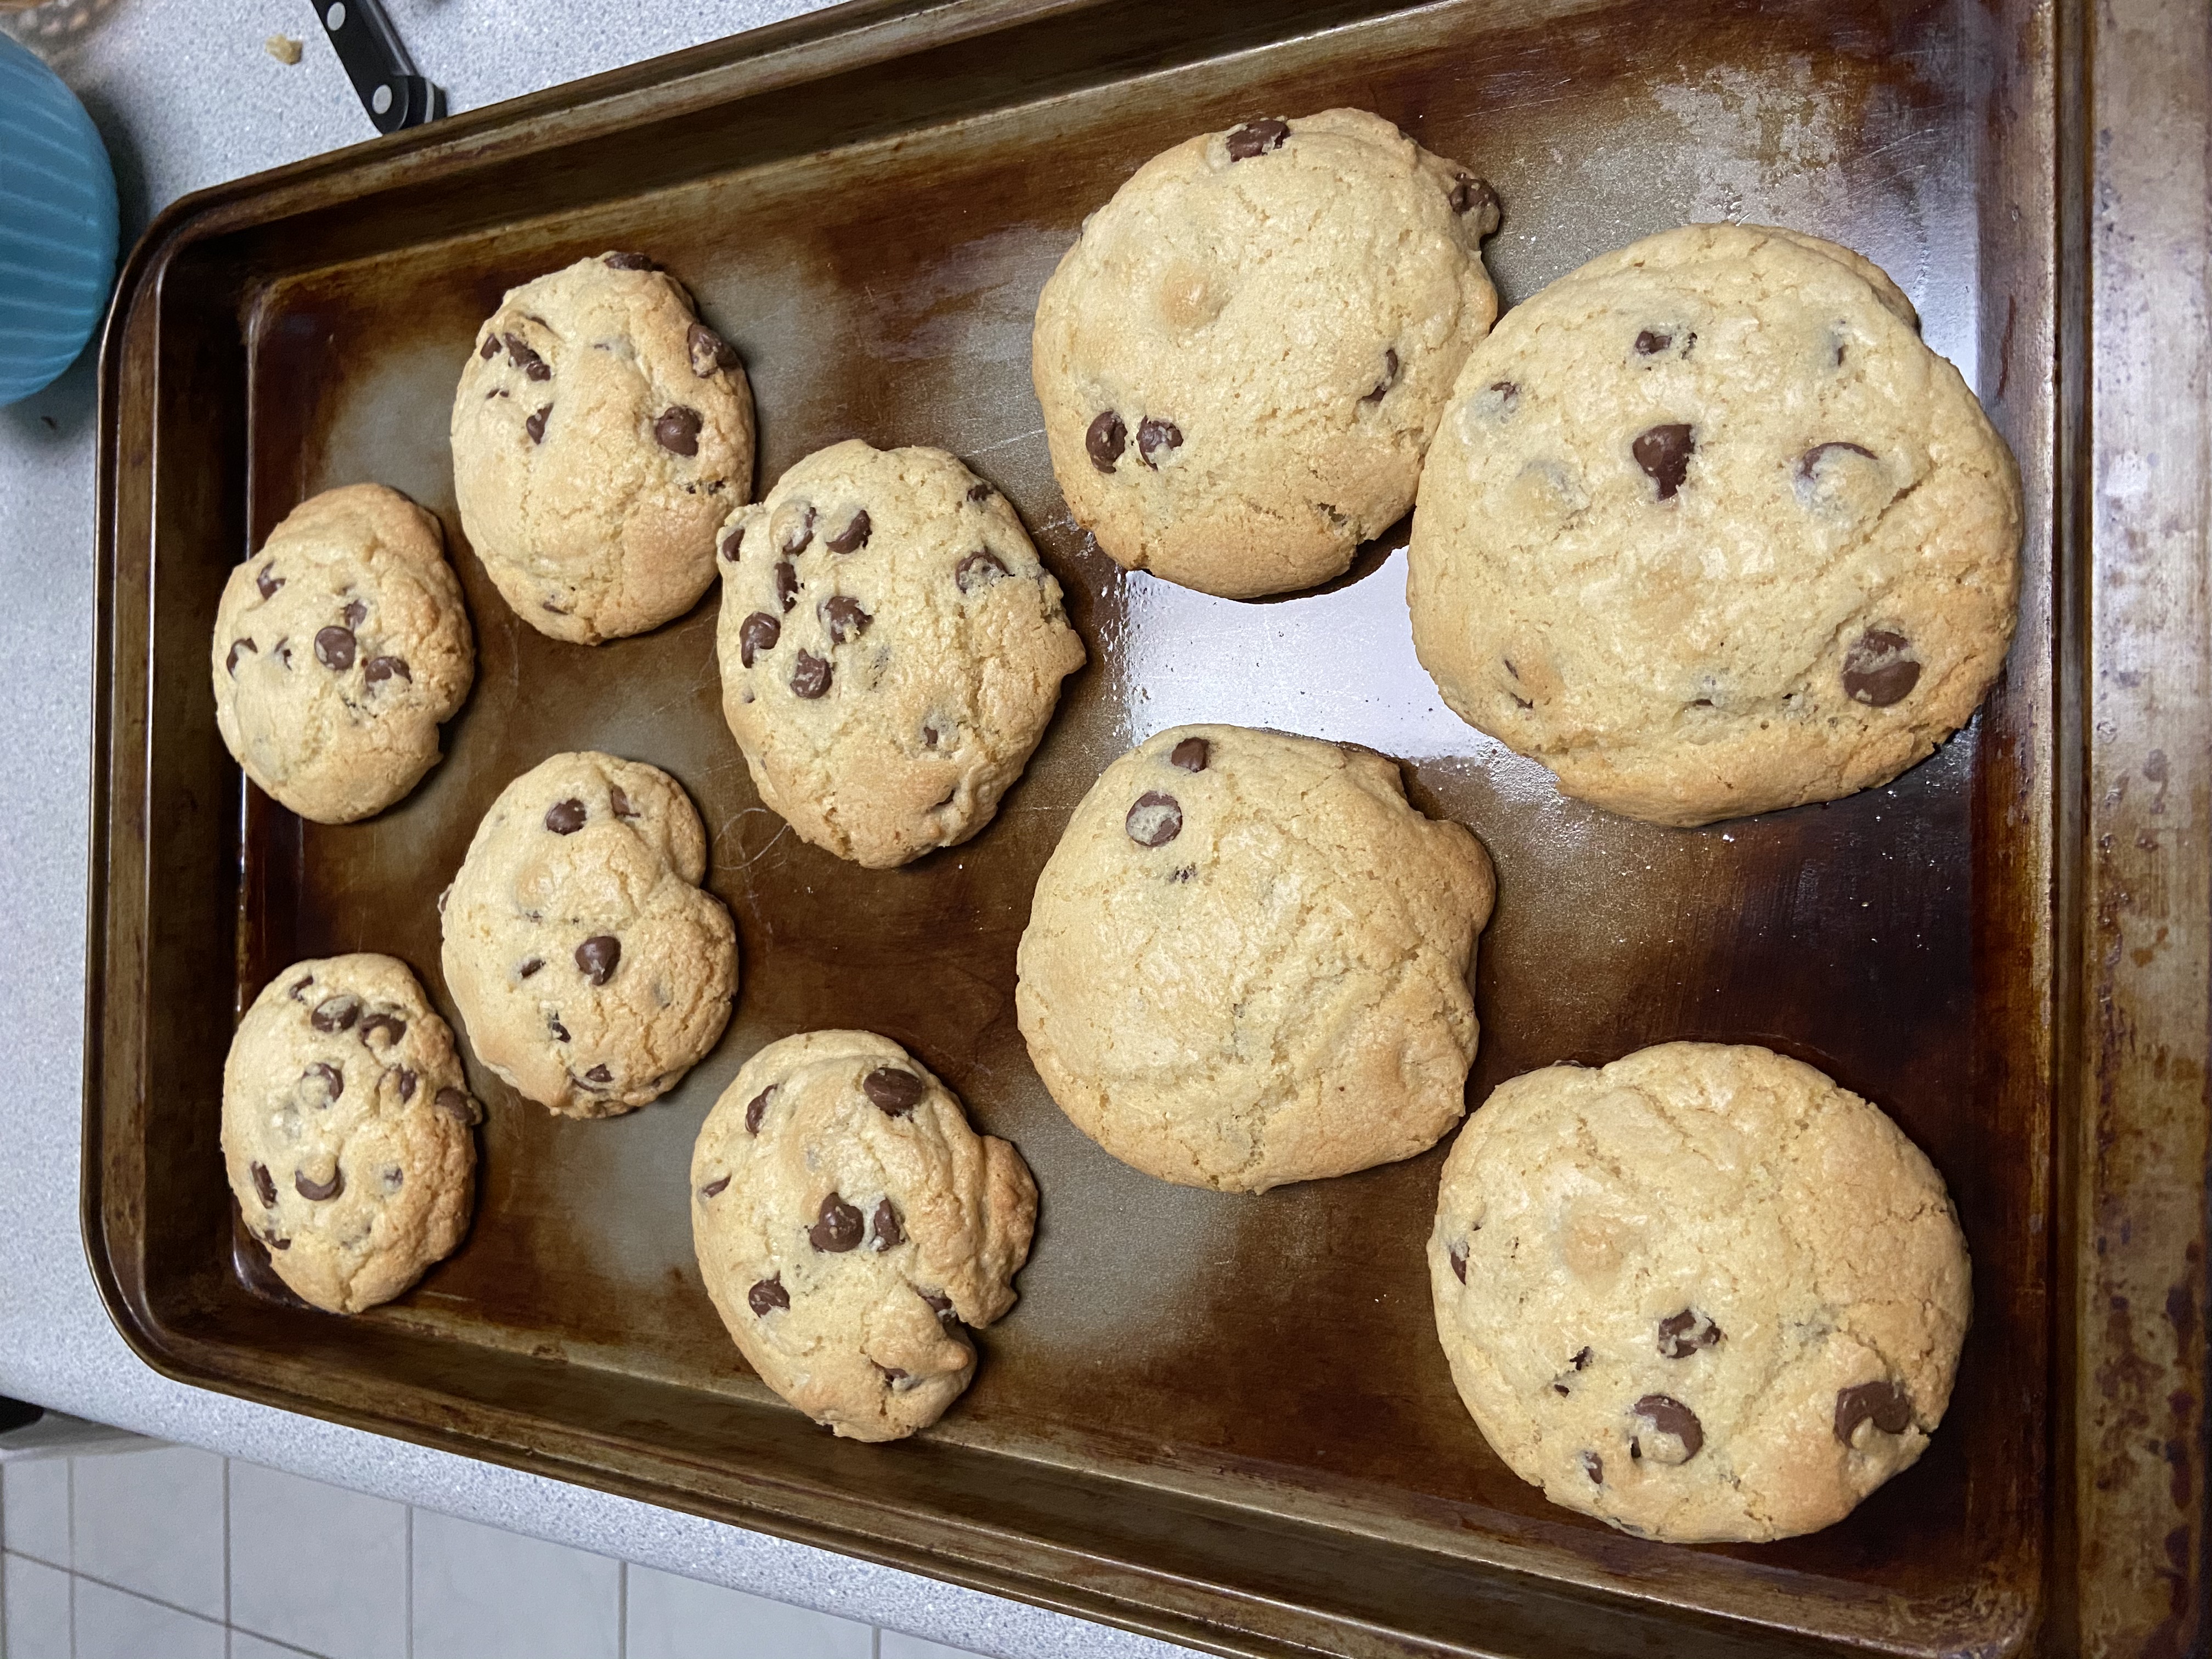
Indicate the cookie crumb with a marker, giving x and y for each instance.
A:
(282, 48)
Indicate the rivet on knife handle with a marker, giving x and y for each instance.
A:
(377, 63)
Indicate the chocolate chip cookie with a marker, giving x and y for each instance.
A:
(892, 649)
(1709, 531)
(1703, 1294)
(339, 649)
(850, 1226)
(600, 433)
(589, 968)
(345, 1130)
(1246, 961)
(1245, 356)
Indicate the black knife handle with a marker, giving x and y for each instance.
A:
(377, 63)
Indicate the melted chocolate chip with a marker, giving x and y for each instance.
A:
(1580, 1361)
(1681, 1334)
(1257, 138)
(979, 492)
(334, 649)
(265, 1184)
(1663, 452)
(632, 262)
(757, 633)
(490, 348)
(565, 817)
(709, 350)
(1456, 1254)
(1389, 377)
(941, 1305)
(1191, 754)
(1650, 343)
(1155, 820)
(1594, 1467)
(1473, 195)
(319, 1191)
(715, 1187)
(1809, 464)
(335, 1013)
(1105, 440)
(1669, 1416)
(854, 536)
(453, 1103)
(844, 618)
(377, 670)
(1882, 1403)
(354, 614)
(535, 426)
(331, 1078)
(798, 533)
(888, 1234)
(392, 1025)
(1879, 668)
(895, 1091)
(837, 1228)
(599, 1074)
(621, 802)
(1156, 438)
(299, 985)
(786, 583)
(597, 957)
(553, 1024)
(408, 1081)
(530, 967)
(237, 646)
(810, 677)
(1508, 394)
(520, 356)
(677, 431)
(756, 1108)
(267, 583)
(734, 545)
(765, 1297)
(978, 571)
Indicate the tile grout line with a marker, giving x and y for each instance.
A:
(226, 1552)
(622, 1611)
(72, 1541)
(410, 1583)
(141, 1596)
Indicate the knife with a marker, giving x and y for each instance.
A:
(377, 63)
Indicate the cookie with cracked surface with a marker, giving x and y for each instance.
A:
(892, 649)
(1709, 531)
(849, 1225)
(1703, 1293)
(1247, 962)
(600, 433)
(345, 1130)
(1244, 357)
(339, 650)
(589, 968)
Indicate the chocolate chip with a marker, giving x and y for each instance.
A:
(596, 957)
(520, 356)
(392, 1025)
(715, 1187)
(490, 349)
(756, 1108)
(1594, 1467)
(677, 431)
(553, 1024)
(786, 583)
(757, 633)
(335, 647)
(888, 1234)
(265, 1184)
(1663, 452)
(377, 670)
(1649, 344)
(620, 802)
(895, 1091)
(1681, 1334)
(854, 536)
(631, 262)
(453, 1103)
(893, 1376)
(1580, 1361)
(267, 583)
(940, 1304)
(810, 677)
(329, 1076)
(734, 545)
(407, 1081)
(335, 1013)
(1105, 440)
(1880, 669)
(1191, 754)
(354, 614)
(1808, 464)
(979, 492)
(1155, 820)
(1456, 1254)
(1882, 1403)
(1257, 138)
(978, 571)
(530, 967)
(798, 532)
(838, 1227)
(709, 350)
(535, 426)
(599, 1074)
(316, 1190)
(765, 1297)
(844, 618)
(237, 646)
(1473, 195)
(1155, 439)
(1669, 1416)
(299, 985)
(565, 817)
(929, 736)
(1561, 1389)
(1389, 377)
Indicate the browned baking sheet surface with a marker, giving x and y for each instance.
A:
(1226, 1418)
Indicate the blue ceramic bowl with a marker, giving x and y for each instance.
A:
(57, 224)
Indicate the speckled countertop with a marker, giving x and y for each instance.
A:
(186, 96)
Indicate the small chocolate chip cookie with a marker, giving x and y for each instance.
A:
(589, 968)
(339, 649)
(345, 1130)
(1703, 1293)
(1245, 356)
(892, 649)
(1709, 531)
(600, 433)
(850, 1224)
(1246, 961)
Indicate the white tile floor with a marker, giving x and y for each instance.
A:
(154, 1552)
